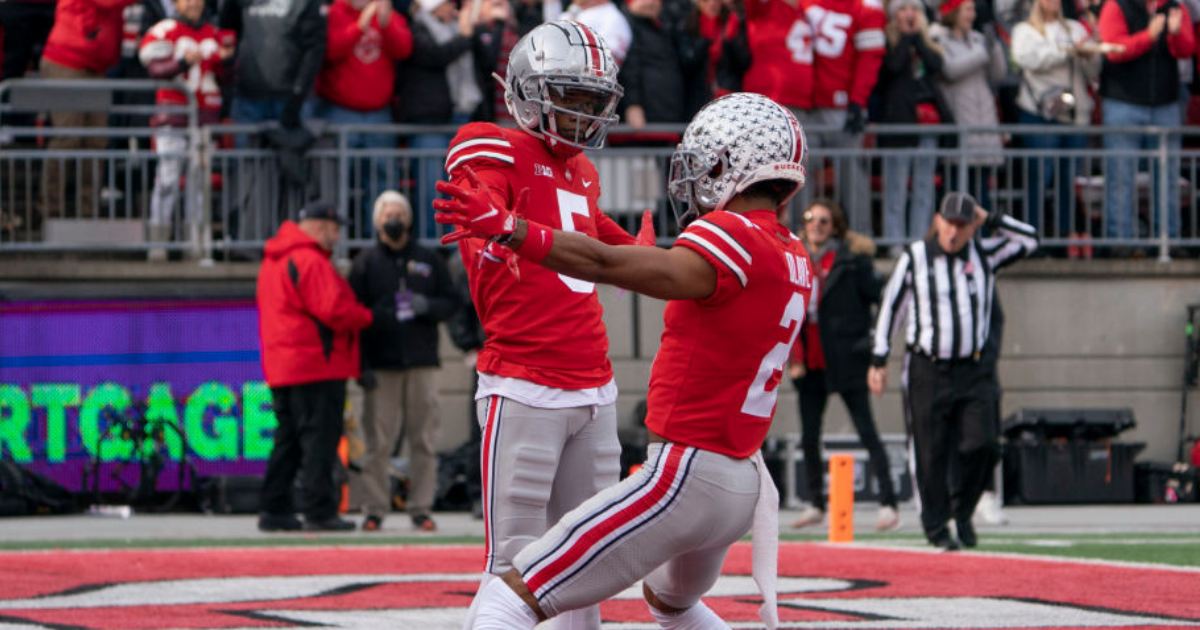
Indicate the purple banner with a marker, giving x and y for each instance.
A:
(99, 392)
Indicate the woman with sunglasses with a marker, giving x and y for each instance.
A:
(833, 351)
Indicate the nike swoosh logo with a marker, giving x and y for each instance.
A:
(586, 183)
(481, 217)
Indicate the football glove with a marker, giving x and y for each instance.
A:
(471, 209)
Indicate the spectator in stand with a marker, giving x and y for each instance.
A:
(663, 73)
(308, 322)
(776, 70)
(400, 359)
(365, 39)
(24, 27)
(495, 36)
(973, 62)
(280, 48)
(602, 16)
(848, 46)
(907, 93)
(833, 351)
(1187, 66)
(1054, 58)
(1140, 86)
(84, 43)
(437, 85)
(193, 51)
(717, 23)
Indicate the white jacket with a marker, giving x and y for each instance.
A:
(970, 68)
(1045, 63)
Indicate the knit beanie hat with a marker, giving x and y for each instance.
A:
(895, 5)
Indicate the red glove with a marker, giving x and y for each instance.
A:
(472, 210)
(646, 235)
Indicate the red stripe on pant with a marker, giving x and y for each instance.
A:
(604, 528)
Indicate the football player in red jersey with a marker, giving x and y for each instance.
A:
(781, 52)
(848, 45)
(738, 283)
(546, 395)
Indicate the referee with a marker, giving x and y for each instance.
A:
(943, 288)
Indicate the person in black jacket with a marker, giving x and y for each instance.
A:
(280, 47)
(436, 86)
(833, 352)
(400, 358)
(907, 93)
(664, 70)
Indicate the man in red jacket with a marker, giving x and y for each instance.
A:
(365, 39)
(84, 43)
(308, 321)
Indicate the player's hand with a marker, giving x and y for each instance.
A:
(472, 210)
(191, 57)
(646, 235)
(877, 380)
(796, 371)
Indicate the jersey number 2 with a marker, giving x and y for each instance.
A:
(760, 401)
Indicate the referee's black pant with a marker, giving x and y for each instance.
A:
(952, 419)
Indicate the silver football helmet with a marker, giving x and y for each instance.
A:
(560, 68)
(734, 142)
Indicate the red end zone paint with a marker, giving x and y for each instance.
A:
(429, 588)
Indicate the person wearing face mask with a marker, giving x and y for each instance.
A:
(400, 358)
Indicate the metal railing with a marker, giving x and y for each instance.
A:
(248, 185)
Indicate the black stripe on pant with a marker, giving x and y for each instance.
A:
(952, 408)
(306, 441)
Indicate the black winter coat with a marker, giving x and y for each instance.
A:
(280, 46)
(898, 91)
(844, 318)
(659, 72)
(375, 276)
(421, 84)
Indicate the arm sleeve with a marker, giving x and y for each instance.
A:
(933, 60)
(630, 77)
(312, 42)
(1183, 43)
(1033, 52)
(397, 38)
(341, 40)
(329, 298)
(158, 55)
(956, 67)
(607, 231)
(1014, 240)
(892, 307)
(869, 44)
(1114, 30)
(429, 54)
(716, 238)
(897, 59)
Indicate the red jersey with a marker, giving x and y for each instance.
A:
(781, 51)
(360, 66)
(543, 327)
(716, 376)
(162, 52)
(87, 34)
(848, 43)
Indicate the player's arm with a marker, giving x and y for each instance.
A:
(668, 274)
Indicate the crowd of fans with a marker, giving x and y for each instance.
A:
(837, 64)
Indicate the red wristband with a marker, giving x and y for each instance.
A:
(538, 241)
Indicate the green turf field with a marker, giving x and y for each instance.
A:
(1178, 549)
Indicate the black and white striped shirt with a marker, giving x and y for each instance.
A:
(946, 299)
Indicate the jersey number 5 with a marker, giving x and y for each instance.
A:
(570, 204)
(760, 401)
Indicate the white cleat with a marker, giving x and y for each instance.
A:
(888, 520)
